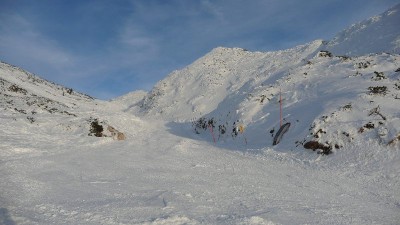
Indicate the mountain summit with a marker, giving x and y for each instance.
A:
(328, 96)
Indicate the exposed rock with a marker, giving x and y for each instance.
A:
(115, 134)
(314, 145)
(394, 141)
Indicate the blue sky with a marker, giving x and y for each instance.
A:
(108, 48)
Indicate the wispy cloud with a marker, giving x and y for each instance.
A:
(136, 43)
(20, 39)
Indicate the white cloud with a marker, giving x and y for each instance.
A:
(137, 39)
(20, 40)
(213, 10)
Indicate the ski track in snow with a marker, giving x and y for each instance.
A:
(156, 177)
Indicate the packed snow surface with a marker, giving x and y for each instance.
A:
(197, 149)
(160, 178)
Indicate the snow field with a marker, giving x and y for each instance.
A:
(158, 177)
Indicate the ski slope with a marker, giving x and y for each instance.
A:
(162, 175)
(54, 170)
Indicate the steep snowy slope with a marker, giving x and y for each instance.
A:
(33, 105)
(201, 86)
(376, 35)
(329, 100)
(21, 89)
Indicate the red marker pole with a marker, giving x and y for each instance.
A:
(280, 105)
(212, 133)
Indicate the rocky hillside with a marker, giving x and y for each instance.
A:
(35, 105)
(330, 100)
(199, 88)
(22, 91)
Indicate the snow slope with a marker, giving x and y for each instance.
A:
(333, 100)
(201, 86)
(378, 34)
(168, 170)
(34, 105)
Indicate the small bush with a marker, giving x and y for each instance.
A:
(30, 119)
(363, 65)
(199, 124)
(96, 129)
(397, 85)
(262, 98)
(20, 110)
(222, 129)
(344, 57)
(376, 111)
(378, 76)
(369, 125)
(378, 90)
(320, 131)
(347, 107)
(15, 88)
(204, 124)
(324, 54)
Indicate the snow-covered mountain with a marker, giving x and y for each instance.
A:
(378, 34)
(200, 87)
(326, 98)
(198, 147)
(329, 99)
(34, 105)
(20, 88)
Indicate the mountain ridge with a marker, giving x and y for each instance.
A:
(217, 74)
(19, 87)
(229, 86)
(375, 35)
